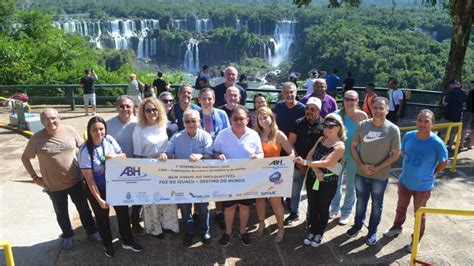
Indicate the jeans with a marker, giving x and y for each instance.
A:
(365, 188)
(420, 198)
(203, 211)
(103, 220)
(318, 204)
(60, 204)
(298, 179)
(350, 197)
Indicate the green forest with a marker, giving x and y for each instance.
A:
(373, 42)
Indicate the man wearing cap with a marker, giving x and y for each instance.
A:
(160, 84)
(308, 84)
(332, 81)
(55, 146)
(230, 76)
(453, 105)
(289, 109)
(395, 100)
(375, 147)
(293, 77)
(328, 104)
(303, 136)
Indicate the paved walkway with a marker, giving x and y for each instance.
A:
(27, 221)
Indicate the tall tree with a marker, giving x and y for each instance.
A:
(462, 16)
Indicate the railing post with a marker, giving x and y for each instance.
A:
(7, 250)
(73, 99)
(416, 235)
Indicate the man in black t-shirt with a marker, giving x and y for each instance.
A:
(230, 75)
(87, 83)
(303, 135)
(348, 83)
(160, 84)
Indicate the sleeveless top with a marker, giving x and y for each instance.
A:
(271, 149)
(350, 130)
(320, 152)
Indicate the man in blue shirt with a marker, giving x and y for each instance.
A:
(192, 144)
(289, 109)
(332, 82)
(424, 156)
(185, 95)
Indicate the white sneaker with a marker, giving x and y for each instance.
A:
(307, 241)
(393, 231)
(316, 241)
(343, 220)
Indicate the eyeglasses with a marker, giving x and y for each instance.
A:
(151, 110)
(125, 106)
(167, 100)
(329, 126)
(193, 121)
(238, 119)
(350, 99)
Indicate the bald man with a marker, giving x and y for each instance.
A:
(230, 75)
(55, 146)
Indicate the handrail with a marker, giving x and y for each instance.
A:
(449, 126)
(7, 249)
(416, 233)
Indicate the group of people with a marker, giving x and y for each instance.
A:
(331, 147)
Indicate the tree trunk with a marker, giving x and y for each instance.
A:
(462, 17)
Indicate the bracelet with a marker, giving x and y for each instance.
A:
(305, 162)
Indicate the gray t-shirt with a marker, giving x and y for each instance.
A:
(375, 145)
(122, 132)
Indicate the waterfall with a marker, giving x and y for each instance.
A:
(237, 24)
(203, 25)
(121, 31)
(284, 36)
(191, 57)
(180, 24)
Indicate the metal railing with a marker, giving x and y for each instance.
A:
(416, 233)
(449, 126)
(418, 98)
(7, 250)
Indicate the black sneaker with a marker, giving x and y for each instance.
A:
(188, 240)
(138, 229)
(134, 246)
(291, 219)
(220, 220)
(225, 240)
(245, 239)
(109, 250)
(206, 238)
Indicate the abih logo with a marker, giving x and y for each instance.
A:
(130, 171)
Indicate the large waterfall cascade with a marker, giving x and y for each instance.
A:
(121, 31)
(191, 57)
(135, 34)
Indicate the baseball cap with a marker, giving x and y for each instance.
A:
(453, 81)
(315, 101)
(293, 75)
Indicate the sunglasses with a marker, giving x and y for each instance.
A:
(194, 121)
(167, 101)
(151, 110)
(350, 100)
(329, 126)
(238, 119)
(125, 106)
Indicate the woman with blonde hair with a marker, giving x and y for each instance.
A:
(149, 141)
(351, 116)
(324, 168)
(273, 140)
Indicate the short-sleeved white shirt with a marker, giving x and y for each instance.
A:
(149, 141)
(232, 147)
(395, 96)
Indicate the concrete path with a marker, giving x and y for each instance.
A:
(28, 222)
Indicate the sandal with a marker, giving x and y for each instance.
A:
(279, 236)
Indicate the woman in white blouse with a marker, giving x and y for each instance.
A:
(149, 140)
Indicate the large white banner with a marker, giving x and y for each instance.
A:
(150, 181)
